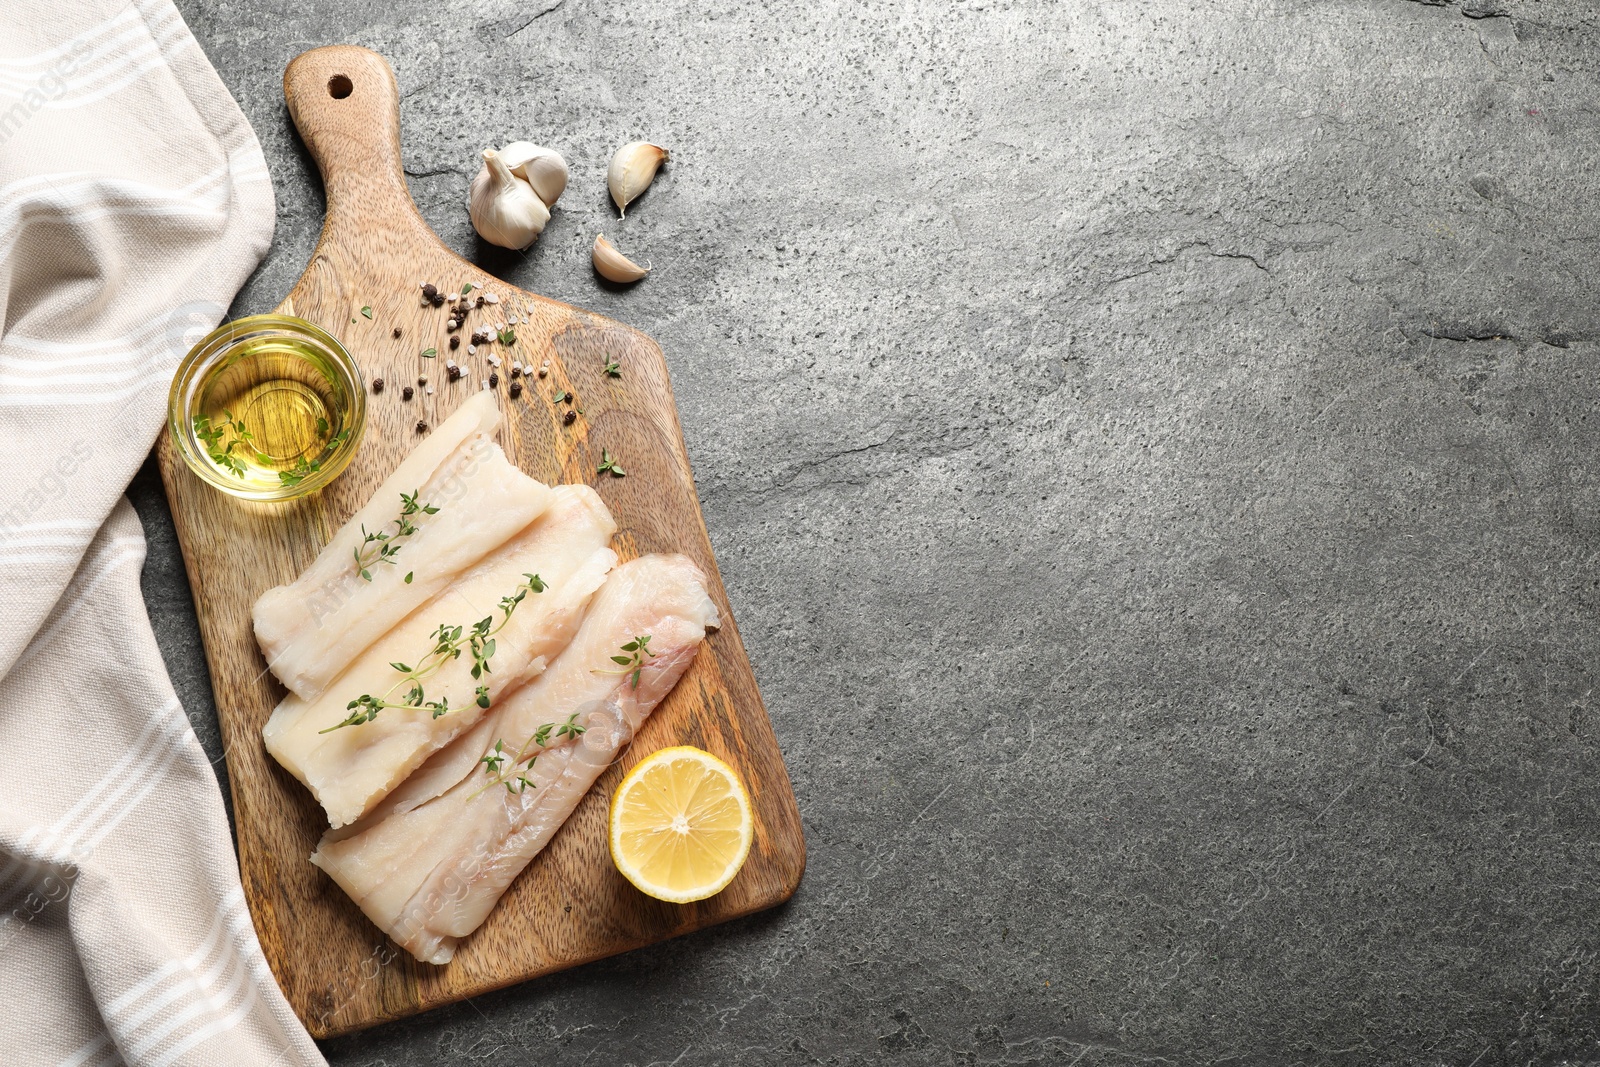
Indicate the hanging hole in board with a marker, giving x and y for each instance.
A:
(340, 86)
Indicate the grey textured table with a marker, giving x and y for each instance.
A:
(1150, 446)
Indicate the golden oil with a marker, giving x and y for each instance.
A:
(269, 409)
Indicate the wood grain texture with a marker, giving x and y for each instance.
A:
(570, 906)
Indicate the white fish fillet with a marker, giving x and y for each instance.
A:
(429, 876)
(354, 767)
(312, 628)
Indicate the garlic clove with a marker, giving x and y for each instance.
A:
(612, 265)
(632, 169)
(505, 210)
(543, 168)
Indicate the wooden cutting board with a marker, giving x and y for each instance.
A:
(570, 906)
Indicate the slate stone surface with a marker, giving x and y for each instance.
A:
(1150, 446)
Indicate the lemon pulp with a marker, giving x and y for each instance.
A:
(681, 825)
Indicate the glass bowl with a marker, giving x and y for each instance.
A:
(269, 407)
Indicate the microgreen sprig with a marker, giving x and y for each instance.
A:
(381, 547)
(612, 368)
(609, 464)
(448, 644)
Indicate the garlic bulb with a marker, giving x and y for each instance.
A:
(612, 265)
(505, 210)
(543, 168)
(632, 169)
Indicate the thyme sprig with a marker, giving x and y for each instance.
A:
(512, 770)
(303, 468)
(448, 644)
(638, 651)
(382, 547)
(222, 454)
(609, 463)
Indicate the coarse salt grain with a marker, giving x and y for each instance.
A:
(491, 298)
(430, 390)
(472, 350)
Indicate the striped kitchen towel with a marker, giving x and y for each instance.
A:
(134, 202)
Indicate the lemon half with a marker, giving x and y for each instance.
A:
(680, 825)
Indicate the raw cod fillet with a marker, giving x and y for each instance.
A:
(354, 767)
(429, 876)
(312, 628)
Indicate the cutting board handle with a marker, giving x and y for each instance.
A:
(345, 103)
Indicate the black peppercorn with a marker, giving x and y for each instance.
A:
(397, 331)
(455, 342)
(422, 427)
(570, 418)
(429, 291)
(377, 385)
(407, 393)
(516, 390)
(494, 380)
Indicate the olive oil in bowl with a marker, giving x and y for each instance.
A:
(268, 408)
